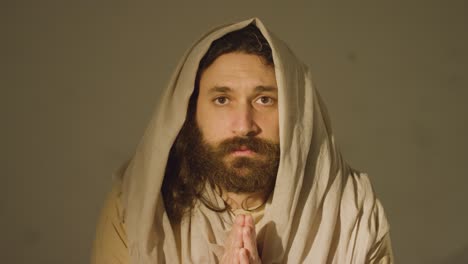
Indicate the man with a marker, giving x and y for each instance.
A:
(239, 165)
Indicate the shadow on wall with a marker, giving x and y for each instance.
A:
(461, 257)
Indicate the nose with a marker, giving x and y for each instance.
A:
(244, 124)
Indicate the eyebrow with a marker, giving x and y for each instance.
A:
(258, 89)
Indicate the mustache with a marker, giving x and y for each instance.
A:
(258, 145)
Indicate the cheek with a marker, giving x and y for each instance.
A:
(212, 124)
(270, 127)
(274, 131)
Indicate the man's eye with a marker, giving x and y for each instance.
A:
(222, 100)
(265, 100)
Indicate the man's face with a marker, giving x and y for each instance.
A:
(237, 112)
(238, 97)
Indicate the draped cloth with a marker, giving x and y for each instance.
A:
(321, 210)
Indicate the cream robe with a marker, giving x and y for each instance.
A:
(321, 210)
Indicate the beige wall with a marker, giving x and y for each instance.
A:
(79, 82)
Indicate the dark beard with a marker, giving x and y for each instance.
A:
(236, 174)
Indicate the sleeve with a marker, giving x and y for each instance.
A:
(110, 244)
(381, 252)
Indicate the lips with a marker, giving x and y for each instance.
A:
(243, 151)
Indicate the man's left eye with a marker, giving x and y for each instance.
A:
(265, 100)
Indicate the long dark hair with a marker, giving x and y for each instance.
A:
(182, 186)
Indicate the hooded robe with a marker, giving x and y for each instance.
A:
(321, 210)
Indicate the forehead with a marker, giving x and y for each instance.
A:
(238, 70)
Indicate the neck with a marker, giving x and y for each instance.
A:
(244, 200)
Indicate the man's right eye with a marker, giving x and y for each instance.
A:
(222, 100)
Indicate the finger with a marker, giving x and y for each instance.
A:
(243, 256)
(234, 239)
(249, 238)
(231, 257)
(238, 240)
(250, 241)
(250, 234)
(235, 257)
(239, 220)
(248, 221)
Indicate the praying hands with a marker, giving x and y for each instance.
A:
(241, 244)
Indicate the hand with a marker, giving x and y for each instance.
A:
(241, 244)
